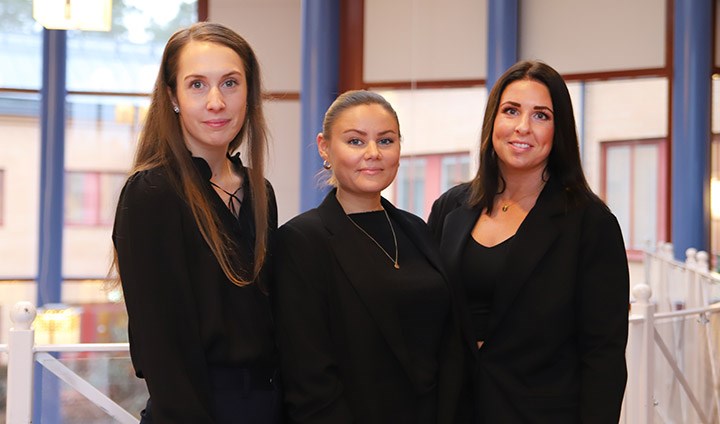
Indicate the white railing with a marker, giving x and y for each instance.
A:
(674, 334)
(672, 352)
(22, 353)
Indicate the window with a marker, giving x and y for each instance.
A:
(91, 197)
(411, 184)
(422, 179)
(633, 186)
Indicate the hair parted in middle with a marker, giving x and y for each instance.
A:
(563, 163)
(162, 144)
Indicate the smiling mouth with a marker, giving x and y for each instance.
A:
(520, 145)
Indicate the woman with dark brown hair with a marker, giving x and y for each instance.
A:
(541, 262)
(191, 235)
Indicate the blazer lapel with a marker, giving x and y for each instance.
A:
(458, 226)
(532, 240)
(363, 278)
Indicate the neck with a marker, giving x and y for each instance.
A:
(521, 184)
(354, 203)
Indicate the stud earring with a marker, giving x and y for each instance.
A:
(176, 109)
(326, 164)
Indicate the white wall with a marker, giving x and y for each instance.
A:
(408, 40)
(591, 36)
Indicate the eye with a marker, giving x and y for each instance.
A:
(542, 116)
(510, 110)
(196, 84)
(386, 141)
(230, 83)
(355, 142)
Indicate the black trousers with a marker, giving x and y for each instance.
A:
(240, 396)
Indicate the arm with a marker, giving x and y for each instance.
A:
(603, 317)
(166, 346)
(314, 392)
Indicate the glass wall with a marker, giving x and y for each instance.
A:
(109, 78)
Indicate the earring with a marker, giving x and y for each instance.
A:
(326, 164)
(176, 109)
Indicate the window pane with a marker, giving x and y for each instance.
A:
(617, 176)
(455, 170)
(126, 59)
(645, 196)
(81, 198)
(20, 45)
(411, 185)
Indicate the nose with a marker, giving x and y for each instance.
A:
(372, 151)
(215, 99)
(523, 123)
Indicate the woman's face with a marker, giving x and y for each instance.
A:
(524, 127)
(363, 150)
(211, 94)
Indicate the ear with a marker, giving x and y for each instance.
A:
(322, 145)
(173, 99)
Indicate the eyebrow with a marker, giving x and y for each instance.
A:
(516, 104)
(352, 130)
(231, 73)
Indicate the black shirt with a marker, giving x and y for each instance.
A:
(480, 270)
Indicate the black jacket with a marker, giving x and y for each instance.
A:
(343, 354)
(555, 348)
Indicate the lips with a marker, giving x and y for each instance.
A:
(519, 145)
(371, 171)
(216, 123)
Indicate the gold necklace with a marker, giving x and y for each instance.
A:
(506, 206)
(395, 260)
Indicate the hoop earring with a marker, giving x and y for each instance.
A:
(326, 164)
(176, 109)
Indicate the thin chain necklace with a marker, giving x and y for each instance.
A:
(506, 206)
(393, 260)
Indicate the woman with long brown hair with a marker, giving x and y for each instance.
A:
(191, 235)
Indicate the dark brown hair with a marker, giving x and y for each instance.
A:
(563, 165)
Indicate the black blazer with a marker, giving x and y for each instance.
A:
(343, 356)
(555, 347)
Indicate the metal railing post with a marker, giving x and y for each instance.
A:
(20, 364)
(641, 350)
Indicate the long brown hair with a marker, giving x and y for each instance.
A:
(161, 144)
(564, 162)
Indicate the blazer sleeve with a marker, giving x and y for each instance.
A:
(314, 392)
(165, 342)
(443, 205)
(603, 317)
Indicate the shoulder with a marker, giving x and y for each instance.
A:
(148, 188)
(446, 203)
(303, 225)
(455, 197)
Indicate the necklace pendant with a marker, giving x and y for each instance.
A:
(505, 208)
(396, 266)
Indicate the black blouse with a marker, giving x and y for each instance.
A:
(185, 316)
(480, 270)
